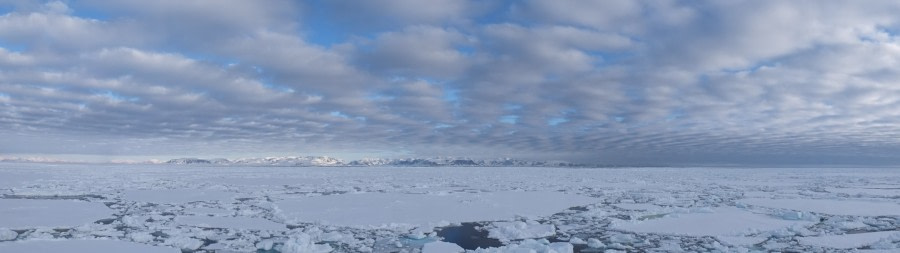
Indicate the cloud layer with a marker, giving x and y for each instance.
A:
(640, 82)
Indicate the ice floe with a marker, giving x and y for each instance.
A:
(830, 206)
(386, 209)
(27, 213)
(230, 223)
(177, 195)
(711, 222)
(81, 246)
(850, 241)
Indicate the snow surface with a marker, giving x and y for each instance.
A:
(850, 241)
(215, 208)
(385, 209)
(7, 235)
(81, 246)
(230, 222)
(868, 191)
(515, 230)
(831, 206)
(712, 222)
(26, 213)
(441, 247)
(177, 195)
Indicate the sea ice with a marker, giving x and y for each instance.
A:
(185, 243)
(893, 192)
(740, 240)
(7, 235)
(442, 247)
(516, 230)
(29, 213)
(849, 241)
(721, 221)
(384, 209)
(81, 246)
(637, 206)
(830, 206)
(529, 246)
(160, 196)
(230, 223)
(303, 243)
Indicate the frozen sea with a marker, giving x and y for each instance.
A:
(185, 208)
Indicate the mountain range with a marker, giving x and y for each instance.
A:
(325, 161)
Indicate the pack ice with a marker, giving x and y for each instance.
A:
(210, 208)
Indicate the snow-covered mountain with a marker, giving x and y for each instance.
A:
(323, 161)
(290, 161)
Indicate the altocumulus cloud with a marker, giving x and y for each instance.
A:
(659, 82)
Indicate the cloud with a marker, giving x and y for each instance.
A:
(648, 82)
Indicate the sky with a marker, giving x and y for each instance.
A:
(610, 82)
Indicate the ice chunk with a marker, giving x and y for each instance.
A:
(81, 246)
(515, 230)
(265, 245)
(185, 243)
(303, 243)
(531, 246)
(576, 240)
(441, 247)
(177, 195)
(29, 213)
(140, 237)
(7, 235)
(595, 243)
(561, 247)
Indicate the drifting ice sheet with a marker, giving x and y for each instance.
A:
(30, 213)
(177, 195)
(81, 246)
(377, 209)
(721, 221)
(230, 222)
(867, 191)
(849, 241)
(830, 206)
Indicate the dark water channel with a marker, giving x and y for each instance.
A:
(468, 236)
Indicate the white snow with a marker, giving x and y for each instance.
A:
(594, 243)
(81, 246)
(380, 209)
(7, 235)
(441, 247)
(395, 209)
(303, 243)
(830, 206)
(208, 210)
(230, 222)
(184, 242)
(719, 221)
(177, 195)
(637, 206)
(891, 192)
(740, 240)
(849, 241)
(27, 213)
(515, 230)
(531, 246)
